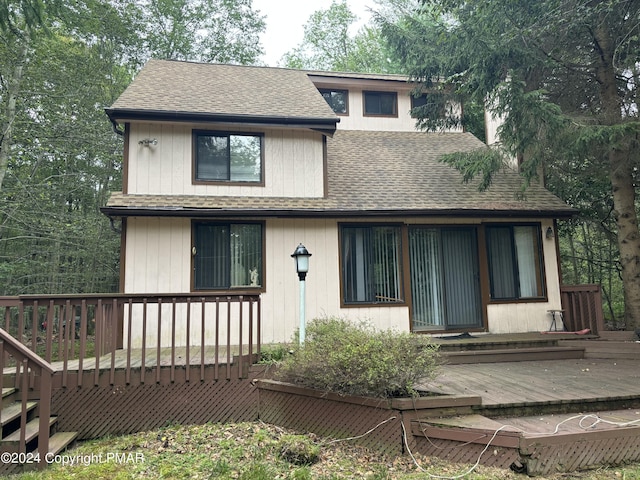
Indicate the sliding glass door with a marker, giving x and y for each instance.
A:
(445, 280)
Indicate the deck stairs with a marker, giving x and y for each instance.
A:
(10, 433)
(536, 439)
(465, 348)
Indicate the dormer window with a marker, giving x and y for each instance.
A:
(227, 157)
(338, 100)
(381, 104)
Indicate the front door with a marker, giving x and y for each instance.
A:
(445, 280)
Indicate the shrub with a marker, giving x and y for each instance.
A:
(271, 354)
(298, 450)
(355, 359)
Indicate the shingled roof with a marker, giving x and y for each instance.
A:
(171, 90)
(374, 173)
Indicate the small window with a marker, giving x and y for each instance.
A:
(227, 255)
(515, 262)
(418, 103)
(371, 263)
(338, 100)
(380, 103)
(227, 157)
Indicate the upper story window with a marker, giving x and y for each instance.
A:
(227, 157)
(380, 103)
(417, 102)
(515, 262)
(338, 100)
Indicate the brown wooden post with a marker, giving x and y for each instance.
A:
(143, 359)
(188, 335)
(240, 339)
(24, 390)
(34, 326)
(44, 412)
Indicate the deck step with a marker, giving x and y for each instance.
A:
(60, 441)
(608, 349)
(468, 429)
(514, 355)
(13, 411)
(31, 432)
(535, 445)
(7, 392)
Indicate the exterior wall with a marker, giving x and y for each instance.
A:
(356, 120)
(158, 260)
(167, 168)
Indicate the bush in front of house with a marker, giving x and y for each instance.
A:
(355, 359)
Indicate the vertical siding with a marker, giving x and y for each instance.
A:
(158, 260)
(158, 255)
(293, 163)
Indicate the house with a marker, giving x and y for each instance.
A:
(228, 168)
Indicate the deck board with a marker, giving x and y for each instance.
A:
(540, 381)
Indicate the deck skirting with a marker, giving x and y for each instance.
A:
(98, 410)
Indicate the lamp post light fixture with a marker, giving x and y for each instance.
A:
(301, 256)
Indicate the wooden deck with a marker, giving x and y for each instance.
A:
(542, 384)
(165, 357)
(540, 417)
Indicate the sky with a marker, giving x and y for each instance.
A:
(285, 20)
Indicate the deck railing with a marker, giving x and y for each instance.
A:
(98, 333)
(582, 305)
(29, 368)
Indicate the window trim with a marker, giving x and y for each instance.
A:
(341, 90)
(378, 92)
(235, 290)
(539, 259)
(401, 265)
(413, 103)
(195, 133)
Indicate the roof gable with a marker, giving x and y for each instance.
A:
(172, 89)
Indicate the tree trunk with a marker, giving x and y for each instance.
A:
(13, 89)
(620, 173)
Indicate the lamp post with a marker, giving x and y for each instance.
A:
(301, 256)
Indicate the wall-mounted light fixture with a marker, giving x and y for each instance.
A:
(148, 142)
(549, 233)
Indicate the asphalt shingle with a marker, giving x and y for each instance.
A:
(215, 89)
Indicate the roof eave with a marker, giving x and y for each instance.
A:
(113, 211)
(325, 124)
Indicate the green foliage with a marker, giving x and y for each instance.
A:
(354, 359)
(484, 162)
(221, 31)
(328, 45)
(562, 76)
(271, 354)
(298, 450)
